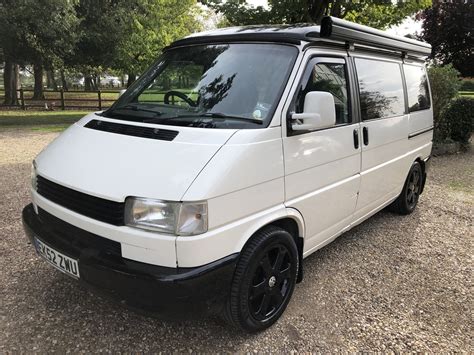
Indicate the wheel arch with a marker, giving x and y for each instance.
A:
(292, 221)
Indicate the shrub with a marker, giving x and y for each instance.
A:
(458, 119)
(445, 85)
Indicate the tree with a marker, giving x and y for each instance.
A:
(152, 25)
(376, 13)
(37, 32)
(444, 85)
(101, 29)
(449, 27)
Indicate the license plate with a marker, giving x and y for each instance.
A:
(58, 260)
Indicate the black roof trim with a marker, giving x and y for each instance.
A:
(244, 37)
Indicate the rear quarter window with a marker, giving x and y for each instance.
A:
(417, 88)
(380, 89)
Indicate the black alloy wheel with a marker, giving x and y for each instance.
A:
(264, 280)
(271, 282)
(413, 188)
(408, 199)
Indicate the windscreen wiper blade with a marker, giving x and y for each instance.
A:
(224, 116)
(138, 108)
(215, 115)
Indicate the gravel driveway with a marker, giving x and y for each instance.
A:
(398, 283)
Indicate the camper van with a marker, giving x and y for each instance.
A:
(236, 155)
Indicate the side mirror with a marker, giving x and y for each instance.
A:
(121, 92)
(319, 112)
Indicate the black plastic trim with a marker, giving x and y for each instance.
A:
(132, 130)
(313, 60)
(355, 135)
(243, 37)
(100, 209)
(420, 132)
(365, 136)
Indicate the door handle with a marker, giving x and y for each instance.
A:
(356, 138)
(365, 135)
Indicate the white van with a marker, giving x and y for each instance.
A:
(239, 153)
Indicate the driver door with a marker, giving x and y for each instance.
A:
(322, 168)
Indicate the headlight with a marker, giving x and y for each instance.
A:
(179, 218)
(33, 175)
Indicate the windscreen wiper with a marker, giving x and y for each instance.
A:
(138, 108)
(216, 115)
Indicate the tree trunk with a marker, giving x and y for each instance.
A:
(131, 79)
(317, 9)
(16, 83)
(88, 82)
(51, 80)
(38, 93)
(63, 81)
(10, 81)
(7, 77)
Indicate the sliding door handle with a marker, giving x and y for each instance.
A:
(365, 135)
(356, 138)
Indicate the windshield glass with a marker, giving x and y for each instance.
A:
(212, 86)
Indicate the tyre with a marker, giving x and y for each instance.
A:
(264, 280)
(408, 199)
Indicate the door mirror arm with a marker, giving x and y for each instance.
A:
(309, 121)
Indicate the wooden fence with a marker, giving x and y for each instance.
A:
(87, 100)
(71, 99)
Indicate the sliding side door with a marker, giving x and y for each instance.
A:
(384, 125)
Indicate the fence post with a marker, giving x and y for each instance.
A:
(22, 99)
(63, 105)
(100, 99)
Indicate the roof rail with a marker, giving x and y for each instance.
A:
(337, 29)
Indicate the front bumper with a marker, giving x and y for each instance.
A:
(171, 292)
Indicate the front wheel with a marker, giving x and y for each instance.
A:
(408, 199)
(264, 280)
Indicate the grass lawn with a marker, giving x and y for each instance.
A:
(50, 121)
(467, 93)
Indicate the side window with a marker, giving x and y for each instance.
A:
(380, 88)
(329, 77)
(417, 88)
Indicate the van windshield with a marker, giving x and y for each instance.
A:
(210, 86)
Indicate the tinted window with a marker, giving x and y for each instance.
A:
(210, 86)
(417, 88)
(328, 77)
(381, 89)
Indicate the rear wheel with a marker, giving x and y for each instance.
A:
(264, 280)
(408, 199)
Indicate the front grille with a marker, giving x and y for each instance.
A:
(72, 240)
(94, 207)
(131, 130)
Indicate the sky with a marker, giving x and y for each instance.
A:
(258, 2)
